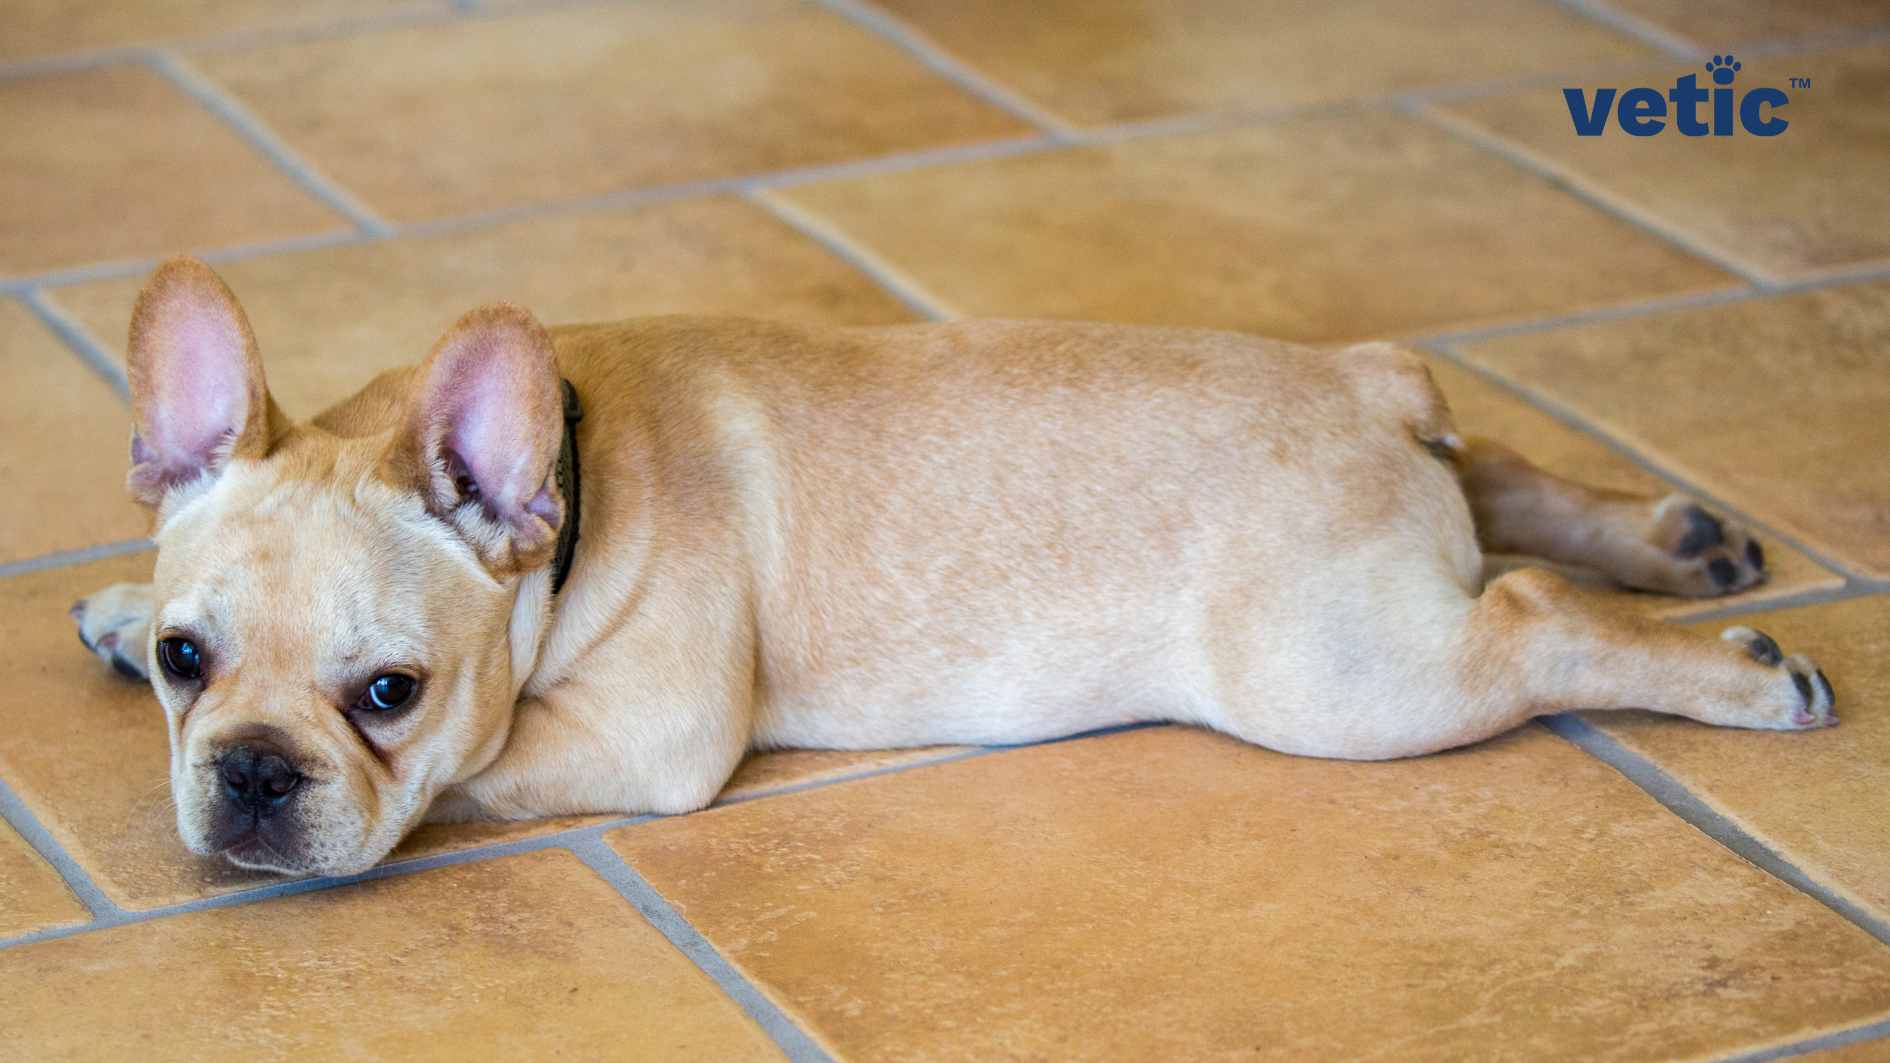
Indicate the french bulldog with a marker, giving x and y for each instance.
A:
(585, 569)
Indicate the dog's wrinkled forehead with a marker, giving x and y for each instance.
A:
(343, 570)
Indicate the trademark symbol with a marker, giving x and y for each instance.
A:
(1801, 83)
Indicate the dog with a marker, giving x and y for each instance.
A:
(586, 569)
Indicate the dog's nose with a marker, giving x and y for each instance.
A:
(257, 777)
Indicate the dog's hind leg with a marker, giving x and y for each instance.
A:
(115, 624)
(1427, 668)
(1666, 543)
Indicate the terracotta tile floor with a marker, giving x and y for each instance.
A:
(1663, 313)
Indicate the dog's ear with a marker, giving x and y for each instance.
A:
(480, 437)
(197, 393)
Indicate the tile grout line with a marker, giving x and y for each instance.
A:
(1578, 187)
(1866, 273)
(264, 140)
(1569, 417)
(656, 910)
(1677, 798)
(80, 556)
(28, 826)
(1850, 590)
(1675, 45)
(894, 31)
(893, 280)
(1855, 1035)
(78, 339)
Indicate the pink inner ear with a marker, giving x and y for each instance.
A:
(199, 382)
(492, 395)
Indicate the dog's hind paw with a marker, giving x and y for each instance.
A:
(115, 624)
(1707, 554)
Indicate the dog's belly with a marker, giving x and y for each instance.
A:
(1038, 530)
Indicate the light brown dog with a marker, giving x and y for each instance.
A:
(980, 532)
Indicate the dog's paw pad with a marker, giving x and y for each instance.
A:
(1707, 554)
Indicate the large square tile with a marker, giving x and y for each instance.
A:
(1776, 404)
(1319, 229)
(329, 320)
(529, 957)
(1122, 60)
(1817, 798)
(32, 895)
(64, 437)
(42, 27)
(440, 120)
(1484, 409)
(1721, 23)
(116, 163)
(1168, 894)
(1814, 198)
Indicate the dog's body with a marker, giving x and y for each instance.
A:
(978, 533)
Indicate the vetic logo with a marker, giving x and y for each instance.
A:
(1644, 112)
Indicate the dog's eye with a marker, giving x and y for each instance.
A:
(388, 692)
(181, 658)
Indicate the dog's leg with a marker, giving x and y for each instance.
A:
(1670, 544)
(1429, 672)
(1535, 644)
(667, 755)
(115, 624)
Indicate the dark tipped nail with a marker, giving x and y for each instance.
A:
(1764, 649)
(1804, 687)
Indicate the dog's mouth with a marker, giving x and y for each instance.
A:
(251, 847)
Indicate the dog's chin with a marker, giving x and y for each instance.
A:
(280, 850)
(253, 852)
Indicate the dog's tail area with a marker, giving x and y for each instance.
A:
(1397, 378)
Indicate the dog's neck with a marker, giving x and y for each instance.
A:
(568, 486)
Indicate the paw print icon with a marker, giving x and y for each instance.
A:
(1724, 68)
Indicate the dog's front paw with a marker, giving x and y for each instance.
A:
(115, 624)
(1707, 554)
(1801, 698)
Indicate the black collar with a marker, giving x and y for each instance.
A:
(567, 477)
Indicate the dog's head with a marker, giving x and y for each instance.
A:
(344, 609)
